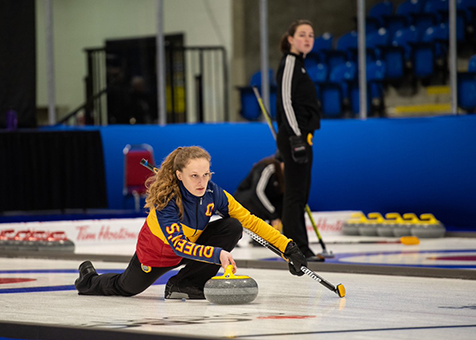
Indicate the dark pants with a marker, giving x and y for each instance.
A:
(297, 179)
(224, 233)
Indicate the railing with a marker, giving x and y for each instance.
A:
(196, 88)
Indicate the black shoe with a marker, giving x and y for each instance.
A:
(315, 258)
(86, 271)
(175, 291)
(307, 253)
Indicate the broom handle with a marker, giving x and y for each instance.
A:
(339, 289)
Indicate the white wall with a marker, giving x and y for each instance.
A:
(80, 24)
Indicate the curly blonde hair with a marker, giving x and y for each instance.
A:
(164, 186)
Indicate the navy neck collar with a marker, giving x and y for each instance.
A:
(187, 195)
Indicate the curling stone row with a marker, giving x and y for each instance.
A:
(28, 240)
(394, 225)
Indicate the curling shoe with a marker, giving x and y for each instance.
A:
(315, 258)
(86, 271)
(176, 291)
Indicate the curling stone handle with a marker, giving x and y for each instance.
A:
(229, 271)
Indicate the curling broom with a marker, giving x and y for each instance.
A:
(339, 289)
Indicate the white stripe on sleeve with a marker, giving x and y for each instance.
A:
(260, 188)
(286, 94)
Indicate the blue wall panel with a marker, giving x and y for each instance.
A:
(421, 165)
(234, 148)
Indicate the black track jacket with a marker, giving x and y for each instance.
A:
(297, 104)
(260, 191)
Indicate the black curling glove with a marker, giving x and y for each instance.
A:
(298, 149)
(296, 258)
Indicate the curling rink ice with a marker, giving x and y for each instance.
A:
(287, 307)
(37, 297)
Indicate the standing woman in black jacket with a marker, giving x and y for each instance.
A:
(298, 116)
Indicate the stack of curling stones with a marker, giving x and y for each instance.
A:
(35, 240)
(394, 225)
(230, 289)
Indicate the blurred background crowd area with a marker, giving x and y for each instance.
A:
(105, 69)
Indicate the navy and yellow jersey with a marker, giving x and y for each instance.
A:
(165, 239)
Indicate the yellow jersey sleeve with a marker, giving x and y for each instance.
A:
(255, 224)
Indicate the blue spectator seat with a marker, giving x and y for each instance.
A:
(461, 24)
(375, 72)
(333, 93)
(467, 9)
(422, 21)
(472, 64)
(343, 74)
(334, 58)
(375, 41)
(380, 10)
(467, 87)
(423, 59)
(341, 53)
(256, 79)
(406, 12)
(330, 96)
(311, 60)
(318, 74)
(394, 57)
(250, 109)
(430, 14)
(466, 91)
(348, 42)
(371, 24)
(374, 20)
(466, 19)
(409, 8)
(439, 8)
(438, 35)
(405, 38)
(394, 22)
(322, 43)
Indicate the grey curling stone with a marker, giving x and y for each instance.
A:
(230, 289)
(400, 230)
(368, 229)
(436, 230)
(350, 228)
(385, 230)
